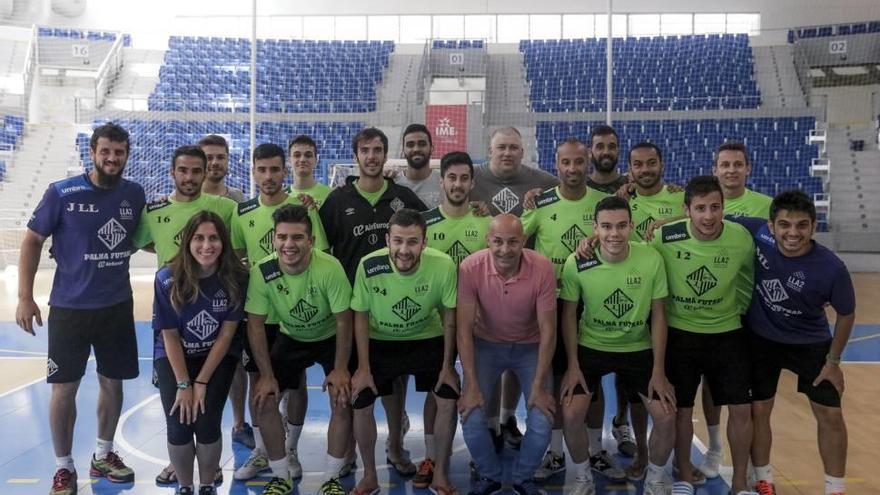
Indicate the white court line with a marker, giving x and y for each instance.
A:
(23, 386)
(123, 442)
(29, 353)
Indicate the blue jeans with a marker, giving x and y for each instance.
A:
(491, 360)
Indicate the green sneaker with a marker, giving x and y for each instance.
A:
(64, 483)
(112, 468)
(332, 487)
(278, 486)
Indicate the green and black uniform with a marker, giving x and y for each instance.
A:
(750, 204)
(703, 310)
(406, 333)
(613, 333)
(458, 237)
(318, 192)
(660, 206)
(306, 305)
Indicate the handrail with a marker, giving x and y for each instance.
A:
(113, 56)
(30, 64)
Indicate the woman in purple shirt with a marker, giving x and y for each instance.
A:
(198, 303)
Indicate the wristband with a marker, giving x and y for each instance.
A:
(182, 385)
(831, 359)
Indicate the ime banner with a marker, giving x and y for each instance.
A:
(448, 126)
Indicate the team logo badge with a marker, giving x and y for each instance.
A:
(177, 238)
(125, 210)
(773, 290)
(111, 233)
(505, 200)
(701, 280)
(220, 301)
(202, 325)
(51, 367)
(396, 204)
(406, 308)
(266, 242)
(572, 237)
(458, 252)
(796, 281)
(643, 227)
(618, 303)
(303, 311)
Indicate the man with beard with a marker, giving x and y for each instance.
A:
(252, 237)
(605, 153)
(650, 201)
(418, 176)
(91, 218)
(217, 150)
(162, 221)
(303, 153)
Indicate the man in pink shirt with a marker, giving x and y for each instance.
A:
(506, 321)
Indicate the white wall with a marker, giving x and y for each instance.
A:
(850, 104)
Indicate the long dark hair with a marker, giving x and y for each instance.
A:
(185, 269)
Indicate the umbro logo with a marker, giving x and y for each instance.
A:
(349, 211)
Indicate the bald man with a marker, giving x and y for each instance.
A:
(506, 321)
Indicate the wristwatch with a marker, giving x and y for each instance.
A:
(182, 385)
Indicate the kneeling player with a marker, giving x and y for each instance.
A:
(310, 293)
(620, 286)
(399, 292)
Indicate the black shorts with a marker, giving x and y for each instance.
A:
(632, 369)
(804, 360)
(290, 358)
(250, 364)
(723, 358)
(560, 359)
(74, 332)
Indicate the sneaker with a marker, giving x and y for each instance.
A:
(425, 475)
(63, 483)
(658, 487)
(278, 486)
(682, 488)
(764, 487)
(112, 468)
(403, 466)
(512, 435)
(485, 486)
(529, 487)
(626, 439)
(582, 486)
(184, 490)
(207, 490)
(711, 465)
(604, 464)
(254, 465)
(296, 469)
(551, 464)
(244, 436)
(331, 487)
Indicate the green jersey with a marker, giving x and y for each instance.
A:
(372, 197)
(318, 192)
(617, 297)
(559, 224)
(456, 236)
(660, 206)
(305, 304)
(705, 276)
(750, 204)
(162, 222)
(253, 228)
(404, 307)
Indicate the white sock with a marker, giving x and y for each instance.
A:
(280, 468)
(834, 485)
(258, 440)
(595, 440)
(495, 424)
(332, 466)
(507, 413)
(102, 448)
(430, 448)
(293, 433)
(764, 473)
(556, 442)
(715, 444)
(65, 462)
(655, 473)
(582, 470)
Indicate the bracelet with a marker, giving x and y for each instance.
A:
(831, 359)
(200, 383)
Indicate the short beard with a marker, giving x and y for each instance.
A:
(418, 166)
(602, 168)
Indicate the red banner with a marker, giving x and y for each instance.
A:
(448, 126)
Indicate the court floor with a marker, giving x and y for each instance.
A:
(27, 459)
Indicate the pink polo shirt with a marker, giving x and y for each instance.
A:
(507, 310)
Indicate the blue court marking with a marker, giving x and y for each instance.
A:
(27, 458)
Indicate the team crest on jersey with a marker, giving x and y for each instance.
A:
(406, 308)
(796, 281)
(176, 238)
(266, 241)
(773, 290)
(111, 233)
(701, 280)
(125, 210)
(642, 228)
(220, 301)
(458, 252)
(396, 204)
(303, 311)
(202, 325)
(572, 237)
(618, 303)
(51, 367)
(505, 200)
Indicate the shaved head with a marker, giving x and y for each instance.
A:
(506, 224)
(506, 239)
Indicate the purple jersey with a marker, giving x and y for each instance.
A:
(197, 323)
(91, 230)
(790, 294)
